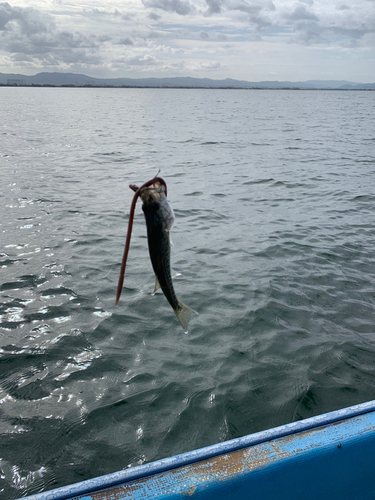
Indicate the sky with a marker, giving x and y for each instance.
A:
(253, 40)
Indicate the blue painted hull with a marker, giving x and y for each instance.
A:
(331, 456)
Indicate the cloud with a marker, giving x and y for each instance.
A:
(252, 7)
(203, 66)
(308, 33)
(211, 65)
(21, 57)
(5, 14)
(76, 57)
(254, 12)
(74, 40)
(29, 20)
(300, 12)
(101, 12)
(153, 35)
(154, 16)
(336, 25)
(141, 60)
(181, 7)
(26, 31)
(244, 6)
(167, 36)
(125, 41)
(104, 38)
(214, 7)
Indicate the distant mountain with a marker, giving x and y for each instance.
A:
(359, 86)
(78, 80)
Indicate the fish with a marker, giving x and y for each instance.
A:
(159, 218)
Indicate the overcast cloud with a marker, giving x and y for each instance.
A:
(244, 39)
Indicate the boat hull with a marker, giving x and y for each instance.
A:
(331, 456)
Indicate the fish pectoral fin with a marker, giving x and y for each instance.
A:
(157, 285)
(184, 314)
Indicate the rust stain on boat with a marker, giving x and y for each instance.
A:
(207, 472)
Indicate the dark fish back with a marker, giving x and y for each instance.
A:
(159, 249)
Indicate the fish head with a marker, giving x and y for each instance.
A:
(152, 194)
(156, 206)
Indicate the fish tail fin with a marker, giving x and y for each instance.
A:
(184, 314)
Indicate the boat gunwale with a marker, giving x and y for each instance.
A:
(142, 471)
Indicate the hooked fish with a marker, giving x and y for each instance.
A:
(159, 220)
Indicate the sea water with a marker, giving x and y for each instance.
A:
(274, 197)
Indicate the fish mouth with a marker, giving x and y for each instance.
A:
(152, 193)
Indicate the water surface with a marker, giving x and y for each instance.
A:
(273, 193)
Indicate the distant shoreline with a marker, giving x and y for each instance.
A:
(35, 85)
(75, 80)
